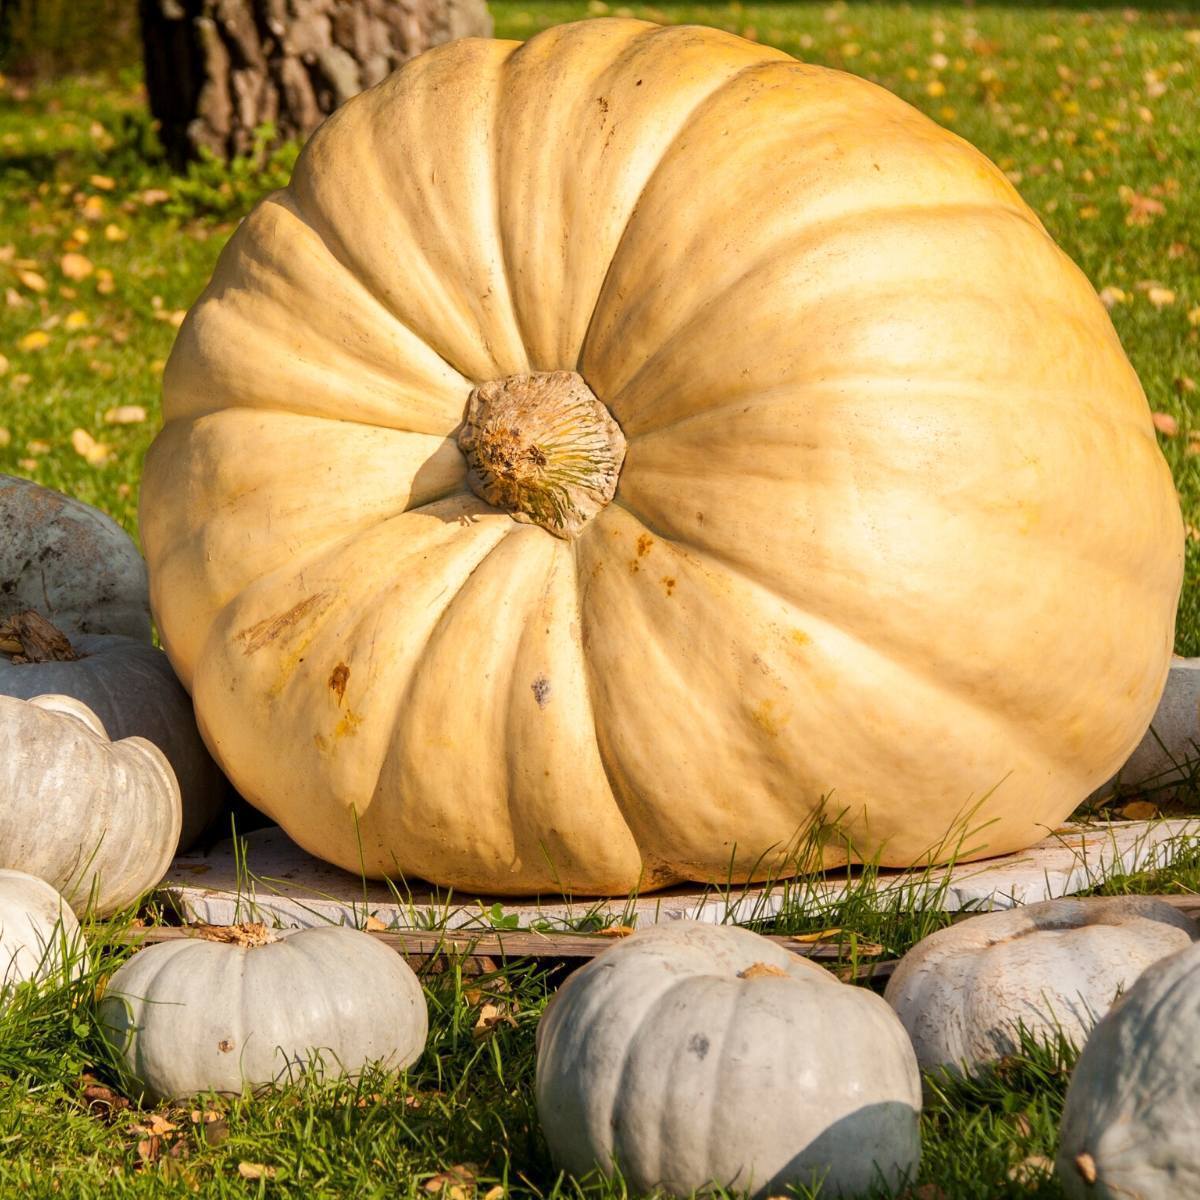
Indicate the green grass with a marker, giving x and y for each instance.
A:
(1087, 109)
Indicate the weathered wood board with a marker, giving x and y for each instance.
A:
(278, 883)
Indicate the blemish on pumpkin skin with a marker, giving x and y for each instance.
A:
(644, 544)
(263, 633)
(767, 719)
(320, 742)
(338, 681)
(348, 725)
(541, 691)
(225, 1045)
(800, 637)
(669, 584)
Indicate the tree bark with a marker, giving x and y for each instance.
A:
(217, 71)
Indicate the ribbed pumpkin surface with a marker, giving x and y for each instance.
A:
(891, 525)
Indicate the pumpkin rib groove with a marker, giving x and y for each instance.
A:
(839, 388)
(554, 567)
(318, 553)
(296, 206)
(651, 871)
(707, 99)
(264, 262)
(506, 250)
(437, 253)
(813, 236)
(1111, 568)
(405, 694)
(909, 662)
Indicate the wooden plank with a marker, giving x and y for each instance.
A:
(530, 944)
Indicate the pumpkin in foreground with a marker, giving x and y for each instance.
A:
(39, 935)
(608, 447)
(1054, 968)
(196, 1015)
(97, 819)
(132, 689)
(693, 1054)
(1132, 1114)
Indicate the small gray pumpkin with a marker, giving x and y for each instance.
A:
(197, 1015)
(131, 686)
(98, 820)
(39, 935)
(69, 562)
(1131, 1123)
(1054, 966)
(693, 1054)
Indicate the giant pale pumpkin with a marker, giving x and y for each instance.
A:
(608, 446)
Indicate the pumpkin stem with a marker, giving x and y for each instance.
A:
(543, 448)
(28, 637)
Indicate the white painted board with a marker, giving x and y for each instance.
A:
(280, 884)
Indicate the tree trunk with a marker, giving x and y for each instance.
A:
(219, 70)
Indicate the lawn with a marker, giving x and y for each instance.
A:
(1092, 112)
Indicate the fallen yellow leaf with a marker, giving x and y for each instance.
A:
(155, 196)
(76, 266)
(1112, 296)
(1194, 316)
(1165, 423)
(133, 414)
(94, 453)
(105, 284)
(103, 182)
(32, 280)
(5, 437)
(93, 208)
(35, 339)
(114, 233)
(1160, 297)
(3, 365)
(250, 1170)
(373, 923)
(1139, 810)
(76, 320)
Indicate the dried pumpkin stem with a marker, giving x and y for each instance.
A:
(28, 637)
(543, 448)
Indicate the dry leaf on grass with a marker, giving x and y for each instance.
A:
(455, 1183)
(616, 931)
(1139, 810)
(125, 414)
(250, 1170)
(1031, 1171)
(75, 266)
(491, 1015)
(374, 925)
(1166, 424)
(94, 453)
(251, 933)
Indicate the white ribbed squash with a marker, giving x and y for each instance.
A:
(608, 446)
(39, 935)
(195, 1015)
(1053, 967)
(131, 687)
(692, 1054)
(97, 819)
(1131, 1123)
